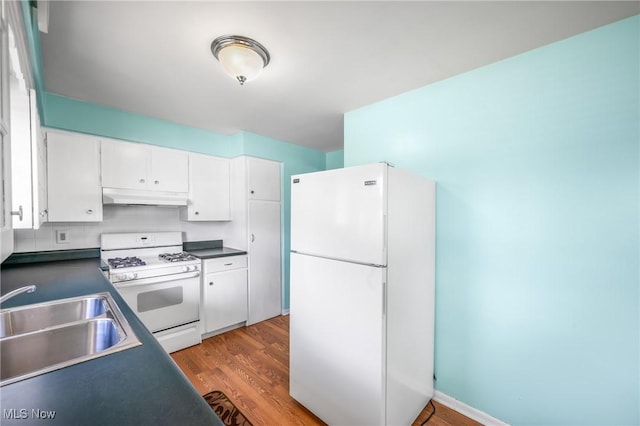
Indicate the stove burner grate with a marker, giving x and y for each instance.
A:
(125, 262)
(176, 257)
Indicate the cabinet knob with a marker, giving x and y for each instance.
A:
(90, 211)
(142, 180)
(156, 182)
(253, 192)
(210, 282)
(197, 213)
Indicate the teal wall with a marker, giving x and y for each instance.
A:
(70, 114)
(537, 282)
(29, 15)
(335, 159)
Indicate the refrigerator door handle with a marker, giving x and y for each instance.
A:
(384, 298)
(384, 241)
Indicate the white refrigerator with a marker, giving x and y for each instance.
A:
(362, 294)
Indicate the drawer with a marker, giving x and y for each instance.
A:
(226, 263)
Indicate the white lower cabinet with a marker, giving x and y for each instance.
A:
(224, 289)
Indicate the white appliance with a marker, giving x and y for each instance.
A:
(362, 294)
(159, 282)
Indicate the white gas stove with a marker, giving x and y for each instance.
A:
(159, 281)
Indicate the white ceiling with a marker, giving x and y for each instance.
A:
(327, 58)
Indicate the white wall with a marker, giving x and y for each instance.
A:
(117, 219)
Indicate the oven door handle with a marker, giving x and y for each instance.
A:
(155, 280)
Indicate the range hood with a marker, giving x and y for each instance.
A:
(142, 197)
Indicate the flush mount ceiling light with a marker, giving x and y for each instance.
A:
(241, 57)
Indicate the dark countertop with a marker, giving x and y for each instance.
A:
(210, 249)
(138, 386)
(216, 252)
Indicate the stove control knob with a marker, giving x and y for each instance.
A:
(122, 277)
(185, 268)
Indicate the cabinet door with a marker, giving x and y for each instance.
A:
(39, 165)
(124, 165)
(21, 173)
(73, 173)
(169, 170)
(225, 298)
(209, 193)
(265, 284)
(263, 179)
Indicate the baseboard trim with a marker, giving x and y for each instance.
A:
(285, 312)
(462, 408)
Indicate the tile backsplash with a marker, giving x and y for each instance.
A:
(116, 219)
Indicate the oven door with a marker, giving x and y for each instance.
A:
(163, 302)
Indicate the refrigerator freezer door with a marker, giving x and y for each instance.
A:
(337, 339)
(341, 214)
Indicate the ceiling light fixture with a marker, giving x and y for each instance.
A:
(241, 57)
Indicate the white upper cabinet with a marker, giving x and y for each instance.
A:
(169, 170)
(263, 179)
(209, 191)
(124, 165)
(73, 175)
(28, 160)
(139, 166)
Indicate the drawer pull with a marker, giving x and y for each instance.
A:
(228, 264)
(210, 282)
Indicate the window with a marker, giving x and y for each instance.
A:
(6, 230)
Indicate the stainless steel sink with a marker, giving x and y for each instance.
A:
(53, 335)
(36, 317)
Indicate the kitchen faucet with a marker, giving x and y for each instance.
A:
(14, 293)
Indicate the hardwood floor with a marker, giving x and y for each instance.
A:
(251, 366)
